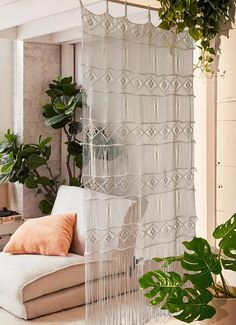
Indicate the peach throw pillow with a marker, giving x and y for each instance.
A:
(50, 235)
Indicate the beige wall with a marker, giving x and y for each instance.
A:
(42, 63)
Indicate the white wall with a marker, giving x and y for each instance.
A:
(6, 85)
(226, 134)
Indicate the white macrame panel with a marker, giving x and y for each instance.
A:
(138, 144)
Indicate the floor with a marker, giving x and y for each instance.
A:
(73, 316)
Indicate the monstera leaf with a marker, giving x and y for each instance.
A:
(202, 262)
(227, 233)
(168, 260)
(191, 305)
(162, 285)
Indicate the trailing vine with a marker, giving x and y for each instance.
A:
(202, 18)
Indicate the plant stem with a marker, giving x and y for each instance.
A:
(69, 171)
(226, 289)
(49, 191)
(221, 290)
(215, 288)
(54, 179)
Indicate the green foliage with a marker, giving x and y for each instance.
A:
(227, 234)
(187, 296)
(28, 163)
(191, 304)
(202, 262)
(202, 18)
(163, 285)
(65, 99)
(24, 162)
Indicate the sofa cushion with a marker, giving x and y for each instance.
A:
(63, 299)
(25, 277)
(33, 276)
(46, 236)
(78, 200)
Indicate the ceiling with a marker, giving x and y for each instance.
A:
(57, 21)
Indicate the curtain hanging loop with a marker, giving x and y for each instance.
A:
(149, 15)
(107, 6)
(81, 3)
(126, 9)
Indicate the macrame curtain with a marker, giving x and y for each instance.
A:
(138, 159)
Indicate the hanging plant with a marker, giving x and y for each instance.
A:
(202, 18)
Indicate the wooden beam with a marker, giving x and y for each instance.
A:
(69, 22)
(9, 33)
(71, 36)
(51, 24)
(20, 12)
(144, 4)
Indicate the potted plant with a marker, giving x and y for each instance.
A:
(199, 291)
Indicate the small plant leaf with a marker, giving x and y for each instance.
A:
(164, 25)
(7, 168)
(195, 33)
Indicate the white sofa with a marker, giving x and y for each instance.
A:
(36, 285)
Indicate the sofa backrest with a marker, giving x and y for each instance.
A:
(77, 200)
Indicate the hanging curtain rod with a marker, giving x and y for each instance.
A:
(144, 4)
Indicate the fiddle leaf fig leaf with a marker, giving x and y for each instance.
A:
(45, 206)
(74, 182)
(191, 305)
(45, 181)
(35, 161)
(55, 119)
(202, 263)
(161, 285)
(30, 182)
(44, 142)
(75, 128)
(79, 160)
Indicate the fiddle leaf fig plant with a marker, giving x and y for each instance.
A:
(203, 19)
(28, 165)
(187, 296)
(60, 113)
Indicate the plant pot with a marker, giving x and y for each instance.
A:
(225, 312)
